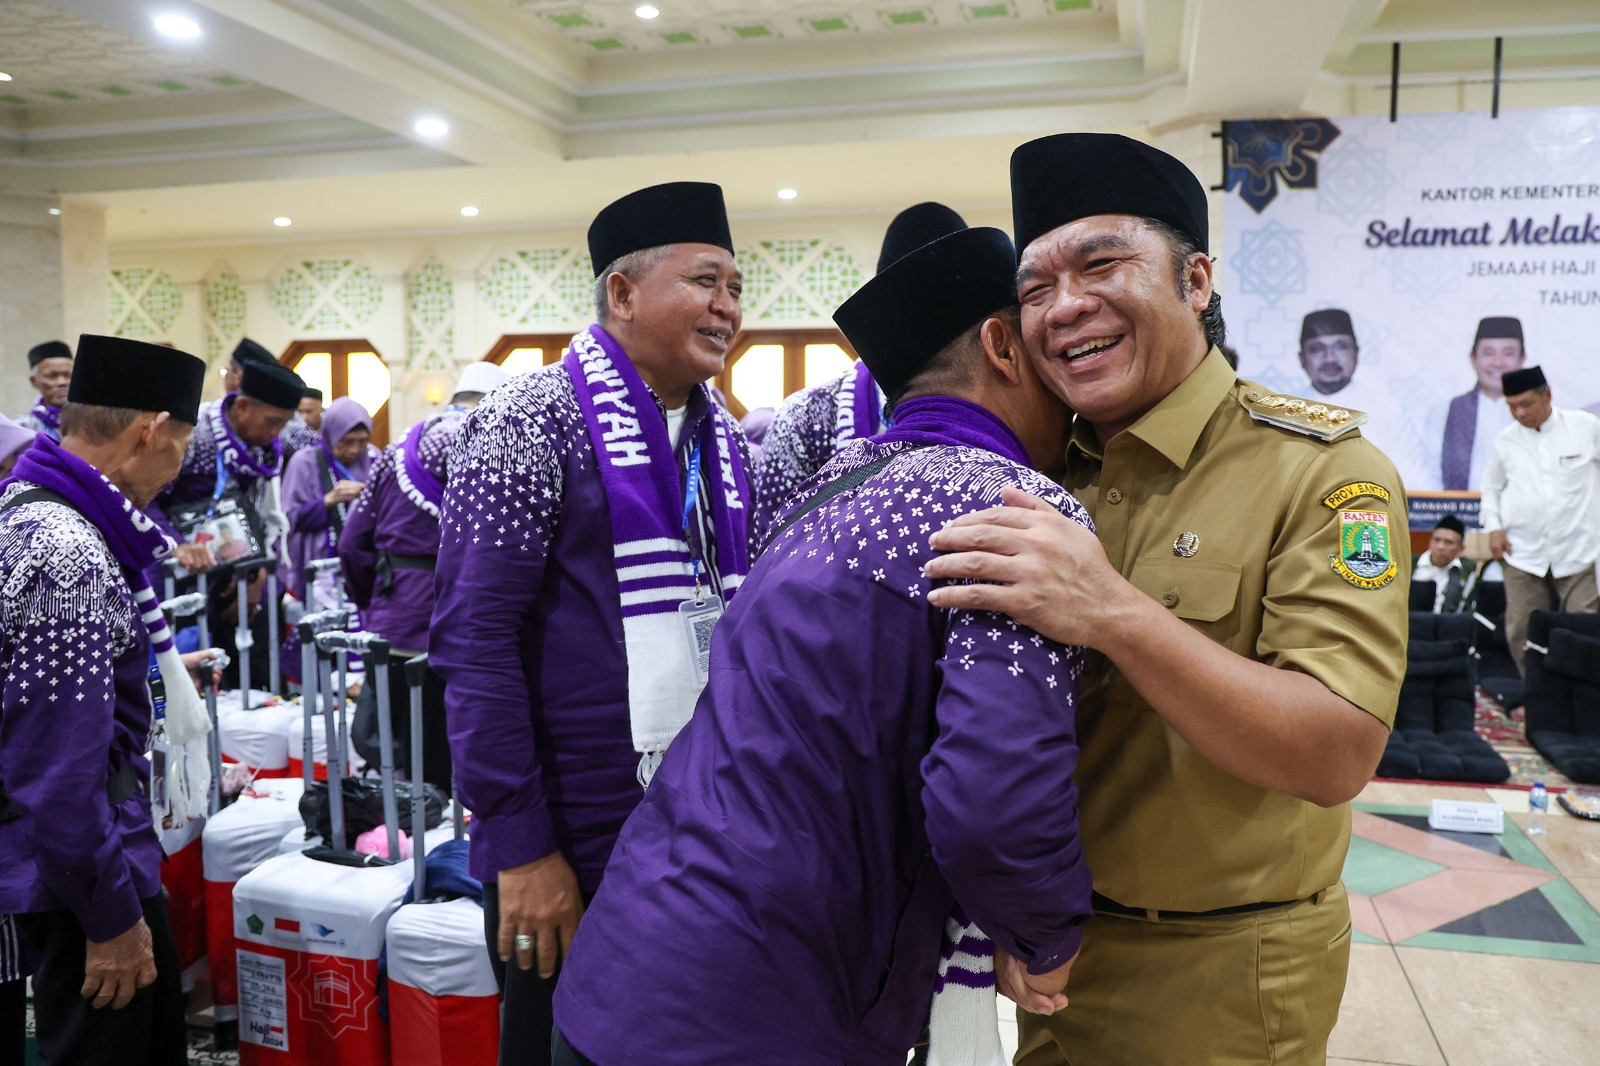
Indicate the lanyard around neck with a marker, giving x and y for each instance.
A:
(691, 496)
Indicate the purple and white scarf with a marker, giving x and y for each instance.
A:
(414, 478)
(245, 467)
(963, 1026)
(47, 417)
(639, 472)
(137, 544)
(235, 452)
(859, 405)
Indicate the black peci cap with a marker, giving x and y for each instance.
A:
(1517, 382)
(1501, 328)
(311, 394)
(905, 316)
(679, 212)
(1330, 322)
(1060, 179)
(1452, 523)
(915, 226)
(118, 372)
(273, 385)
(48, 350)
(248, 351)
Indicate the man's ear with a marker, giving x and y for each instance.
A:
(153, 431)
(619, 293)
(1001, 348)
(1198, 281)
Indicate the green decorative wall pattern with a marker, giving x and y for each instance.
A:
(327, 295)
(431, 310)
(145, 302)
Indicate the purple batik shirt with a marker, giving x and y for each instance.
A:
(384, 519)
(858, 762)
(527, 630)
(75, 709)
(197, 477)
(800, 441)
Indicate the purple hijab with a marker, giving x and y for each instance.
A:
(311, 520)
(13, 439)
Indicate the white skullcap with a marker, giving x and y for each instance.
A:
(481, 377)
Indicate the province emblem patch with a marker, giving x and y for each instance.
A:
(1365, 557)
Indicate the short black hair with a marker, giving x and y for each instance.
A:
(1453, 524)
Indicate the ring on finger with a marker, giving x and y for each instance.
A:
(523, 941)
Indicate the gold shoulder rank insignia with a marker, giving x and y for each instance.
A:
(1319, 420)
(1354, 491)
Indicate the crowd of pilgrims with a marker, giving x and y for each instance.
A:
(832, 829)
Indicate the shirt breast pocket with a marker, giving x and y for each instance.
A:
(1201, 593)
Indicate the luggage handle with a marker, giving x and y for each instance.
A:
(185, 606)
(309, 626)
(311, 570)
(214, 738)
(243, 638)
(338, 644)
(416, 674)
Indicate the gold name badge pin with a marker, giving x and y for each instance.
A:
(1186, 545)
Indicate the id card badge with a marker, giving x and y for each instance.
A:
(699, 617)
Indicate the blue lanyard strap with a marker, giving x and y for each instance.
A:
(158, 689)
(691, 495)
(220, 488)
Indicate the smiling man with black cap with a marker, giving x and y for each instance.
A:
(1248, 598)
(860, 764)
(50, 372)
(595, 520)
(813, 424)
(90, 668)
(1541, 505)
(1475, 418)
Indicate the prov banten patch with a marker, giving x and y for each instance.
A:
(1365, 557)
(1355, 490)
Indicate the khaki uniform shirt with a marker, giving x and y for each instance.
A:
(1299, 558)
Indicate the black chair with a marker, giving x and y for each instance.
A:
(1563, 698)
(1497, 671)
(1423, 593)
(1433, 736)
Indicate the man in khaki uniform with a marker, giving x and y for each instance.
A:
(1248, 594)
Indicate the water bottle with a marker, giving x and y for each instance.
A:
(1538, 807)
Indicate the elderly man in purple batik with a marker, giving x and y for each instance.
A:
(49, 371)
(390, 549)
(90, 675)
(813, 424)
(861, 762)
(595, 519)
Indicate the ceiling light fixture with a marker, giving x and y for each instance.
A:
(281, 222)
(4, 76)
(469, 212)
(431, 128)
(182, 27)
(787, 194)
(647, 11)
(55, 210)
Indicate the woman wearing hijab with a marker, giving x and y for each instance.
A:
(318, 487)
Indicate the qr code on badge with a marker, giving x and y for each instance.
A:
(702, 628)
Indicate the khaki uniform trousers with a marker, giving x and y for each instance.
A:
(1526, 593)
(1227, 991)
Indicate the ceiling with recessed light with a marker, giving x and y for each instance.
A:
(310, 107)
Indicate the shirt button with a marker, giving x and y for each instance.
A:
(1169, 598)
(1114, 496)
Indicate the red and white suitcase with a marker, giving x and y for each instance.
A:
(310, 925)
(258, 738)
(444, 1006)
(183, 876)
(236, 840)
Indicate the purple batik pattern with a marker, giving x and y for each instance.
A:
(298, 434)
(800, 441)
(75, 704)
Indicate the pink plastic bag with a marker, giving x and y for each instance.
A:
(376, 842)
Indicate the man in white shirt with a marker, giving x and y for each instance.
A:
(1444, 565)
(1541, 505)
(1475, 418)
